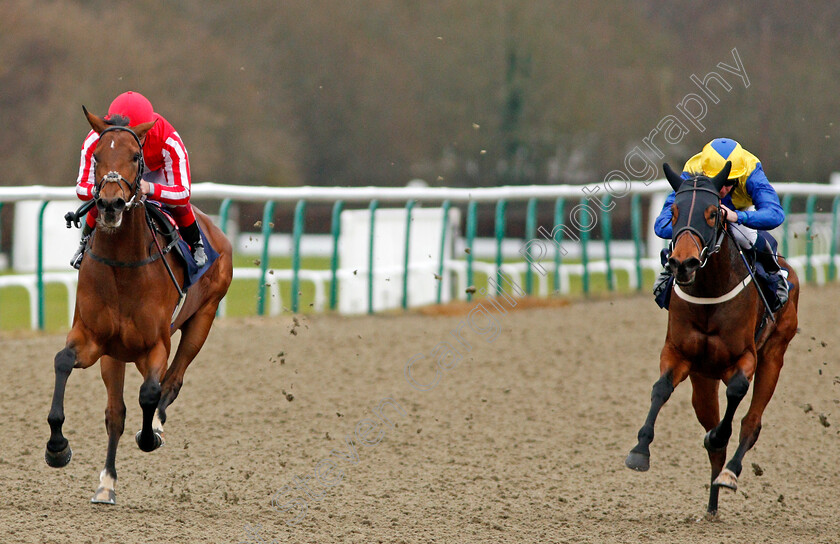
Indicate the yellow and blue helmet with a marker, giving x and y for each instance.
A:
(720, 150)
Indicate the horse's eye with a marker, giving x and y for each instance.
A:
(137, 157)
(95, 158)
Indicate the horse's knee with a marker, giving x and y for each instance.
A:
(751, 427)
(738, 386)
(65, 360)
(662, 389)
(115, 419)
(172, 388)
(149, 394)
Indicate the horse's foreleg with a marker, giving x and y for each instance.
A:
(766, 378)
(674, 371)
(193, 335)
(736, 390)
(58, 451)
(717, 438)
(153, 366)
(113, 374)
(704, 399)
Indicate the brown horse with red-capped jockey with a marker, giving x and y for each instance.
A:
(719, 329)
(130, 301)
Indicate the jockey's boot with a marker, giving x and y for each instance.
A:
(661, 282)
(778, 277)
(76, 261)
(192, 236)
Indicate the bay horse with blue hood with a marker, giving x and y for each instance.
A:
(719, 330)
(126, 306)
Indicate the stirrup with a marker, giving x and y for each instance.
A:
(76, 260)
(198, 254)
(782, 291)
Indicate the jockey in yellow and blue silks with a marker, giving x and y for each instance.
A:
(749, 201)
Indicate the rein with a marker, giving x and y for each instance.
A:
(148, 260)
(749, 269)
(712, 247)
(161, 253)
(134, 188)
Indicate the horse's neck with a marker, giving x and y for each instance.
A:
(718, 277)
(129, 242)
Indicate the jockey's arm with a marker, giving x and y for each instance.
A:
(176, 167)
(768, 213)
(662, 225)
(86, 182)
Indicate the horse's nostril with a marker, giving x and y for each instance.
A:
(692, 263)
(111, 205)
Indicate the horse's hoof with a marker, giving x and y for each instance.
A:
(104, 496)
(58, 459)
(156, 442)
(707, 443)
(726, 479)
(637, 461)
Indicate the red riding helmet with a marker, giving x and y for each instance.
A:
(133, 105)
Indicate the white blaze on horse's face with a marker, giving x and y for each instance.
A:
(110, 207)
(116, 165)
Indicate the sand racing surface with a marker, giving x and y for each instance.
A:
(523, 441)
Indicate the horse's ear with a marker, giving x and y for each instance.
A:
(722, 176)
(141, 129)
(673, 178)
(96, 123)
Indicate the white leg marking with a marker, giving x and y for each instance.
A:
(157, 427)
(105, 494)
(157, 424)
(106, 481)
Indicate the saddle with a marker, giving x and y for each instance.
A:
(165, 225)
(162, 222)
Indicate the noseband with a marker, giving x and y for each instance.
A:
(712, 245)
(116, 177)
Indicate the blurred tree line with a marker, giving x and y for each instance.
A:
(456, 92)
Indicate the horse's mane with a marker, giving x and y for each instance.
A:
(117, 120)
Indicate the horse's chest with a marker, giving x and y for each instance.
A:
(710, 352)
(124, 329)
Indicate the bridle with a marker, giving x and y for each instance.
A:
(116, 177)
(711, 246)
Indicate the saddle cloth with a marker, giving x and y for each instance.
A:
(169, 229)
